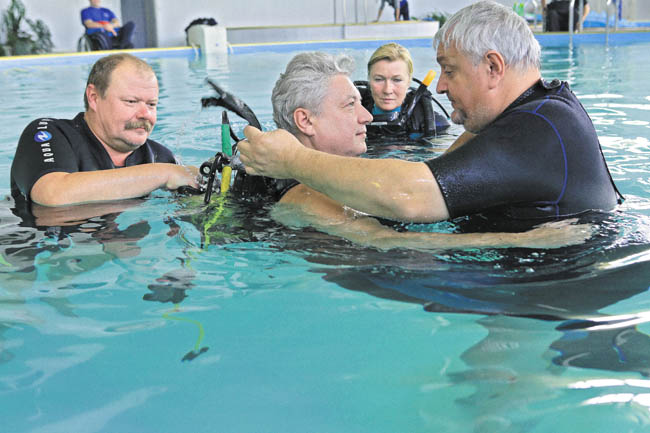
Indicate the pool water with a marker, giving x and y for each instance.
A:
(163, 314)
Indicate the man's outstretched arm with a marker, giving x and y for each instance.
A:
(390, 188)
(58, 188)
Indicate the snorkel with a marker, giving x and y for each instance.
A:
(424, 84)
(428, 79)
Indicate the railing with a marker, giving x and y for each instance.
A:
(608, 6)
(581, 9)
(534, 6)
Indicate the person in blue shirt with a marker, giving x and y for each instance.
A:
(104, 28)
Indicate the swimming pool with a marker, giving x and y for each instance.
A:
(163, 315)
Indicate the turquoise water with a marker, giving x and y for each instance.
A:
(163, 315)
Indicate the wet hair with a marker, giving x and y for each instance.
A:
(487, 25)
(392, 52)
(304, 84)
(100, 74)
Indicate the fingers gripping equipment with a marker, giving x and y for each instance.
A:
(222, 161)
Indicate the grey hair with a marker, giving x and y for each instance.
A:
(304, 84)
(487, 25)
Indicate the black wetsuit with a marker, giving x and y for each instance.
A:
(62, 145)
(261, 188)
(539, 158)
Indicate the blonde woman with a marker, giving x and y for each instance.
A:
(396, 107)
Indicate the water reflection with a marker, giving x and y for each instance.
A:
(570, 286)
(54, 245)
(50, 254)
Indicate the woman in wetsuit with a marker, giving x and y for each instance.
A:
(388, 93)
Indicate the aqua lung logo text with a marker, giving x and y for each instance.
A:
(43, 139)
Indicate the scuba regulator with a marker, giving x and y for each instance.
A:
(223, 161)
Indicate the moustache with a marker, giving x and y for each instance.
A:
(145, 124)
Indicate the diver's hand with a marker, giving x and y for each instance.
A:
(181, 175)
(269, 153)
(556, 234)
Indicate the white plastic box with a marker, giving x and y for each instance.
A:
(211, 39)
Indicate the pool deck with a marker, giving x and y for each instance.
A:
(328, 32)
(374, 30)
(289, 38)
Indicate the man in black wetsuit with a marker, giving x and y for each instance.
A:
(103, 153)
(530, 149)
(315, 100)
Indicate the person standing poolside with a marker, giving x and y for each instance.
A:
(556, 14)
(401, 8)
(317, 103)
(103, 153)
(530, 150)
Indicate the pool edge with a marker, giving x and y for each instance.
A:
(545, 40)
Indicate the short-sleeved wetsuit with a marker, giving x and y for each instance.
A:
(539, 158)
(62, 145)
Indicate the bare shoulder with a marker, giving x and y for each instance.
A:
(314, 203)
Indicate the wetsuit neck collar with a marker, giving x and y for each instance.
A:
(377, 110)
(134, 158)
(540, 87)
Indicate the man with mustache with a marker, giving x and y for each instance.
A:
(103, 153)
(529, 151)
